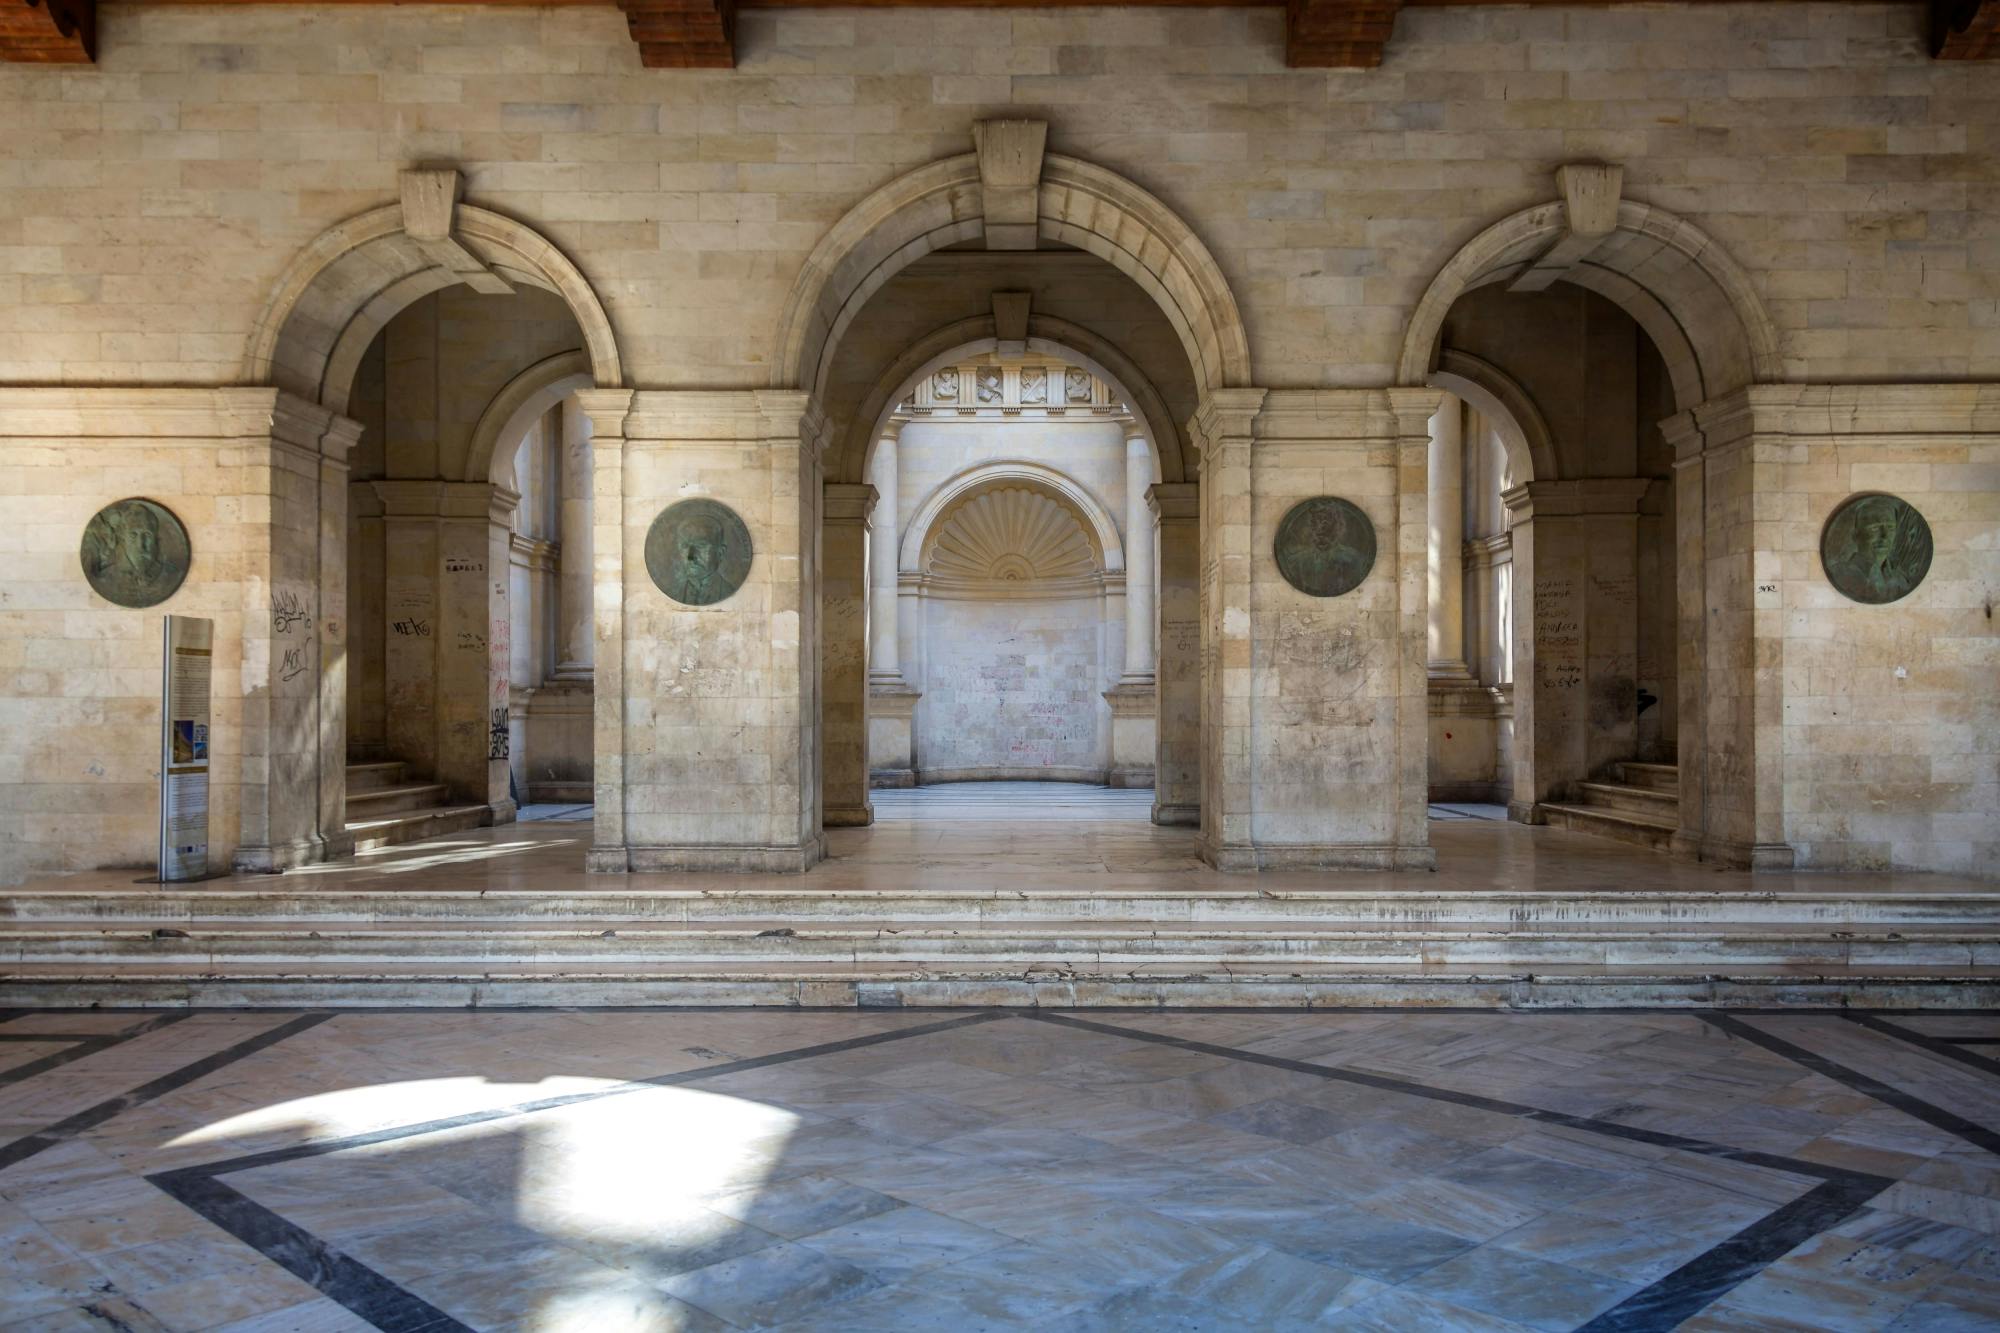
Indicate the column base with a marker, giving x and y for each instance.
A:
(1134, 777)
(1173, 815)
(1524, 812)
(1236, 857)
(847, 816)
(276, 858)
(1755, 856)
(892, 777)
(725, 858)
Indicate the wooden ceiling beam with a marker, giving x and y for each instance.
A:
(700, 34)
(48, 32)
(1965, 29)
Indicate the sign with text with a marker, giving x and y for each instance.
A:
(184, 691)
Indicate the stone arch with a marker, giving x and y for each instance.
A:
(1077, 204)
(988, 476)
(339, 292)
(522, 399)
(1531, 450)
(1692, 299)
(977, 337)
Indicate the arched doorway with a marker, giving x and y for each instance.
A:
(416, 323)
(1578, 337)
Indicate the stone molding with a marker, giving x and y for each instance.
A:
(1883, 413)
(202, 415)
(1078, 204)
(1676, 302)
(527, 396)
(979, 336)
(1174, 501)
(1132, 699)
(1583, 497)
(847, 502)
(447, 499)
(1506, 402)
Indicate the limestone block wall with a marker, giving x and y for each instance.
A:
(1873, 732)
(1817, 142)
(80, 677)
(708, 751)
(1314, 709)
(1014, 689)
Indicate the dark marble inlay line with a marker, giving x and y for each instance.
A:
(21, 1149)
(1936, 1116)
(364, 1291)
(1715, 1273)
(320, 1147)
(1944, 1047)
(84, 1044)
(1749, 1157)
(1680, 1294)
(355, 1285)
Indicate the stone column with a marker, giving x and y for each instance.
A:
(1133, 699)
(1177, 691)
(1445, 635)
(844, 596)
(450, 635)
(610, 532)
(891, 702)
(1139, 564)
(1461, 762)
(294, 722)
(1575, 567)
(1314, 707)
(717, 727)
(574, 652)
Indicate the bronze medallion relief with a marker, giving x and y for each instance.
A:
(1325, 546)
(1875, 549)
(698, 552)
(135, 553)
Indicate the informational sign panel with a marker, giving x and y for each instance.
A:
(184, 748)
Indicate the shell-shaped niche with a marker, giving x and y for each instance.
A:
(1012, 534)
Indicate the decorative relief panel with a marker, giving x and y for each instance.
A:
(1876, 549)
(135, 553)
(990, 388)
(1012, 534)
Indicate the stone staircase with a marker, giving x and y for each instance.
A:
(507, 943)
(385, 806)
(1641, 807)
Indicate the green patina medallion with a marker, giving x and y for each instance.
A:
(1325, 546)
(135, 553)
(1875, 548)
(698, 552)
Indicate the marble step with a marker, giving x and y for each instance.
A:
(318, 945)
(1624, 825)
(914, 983)
(375, 831)
(374, 776)
(1655, 804)
(718, 901)
(1657, 777)
(376, 802)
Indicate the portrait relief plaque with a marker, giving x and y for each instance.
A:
(698, 552)
(135, 553)
(1876, 548)
(1325, 546)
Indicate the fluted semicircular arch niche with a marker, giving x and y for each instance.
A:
(1011, 534)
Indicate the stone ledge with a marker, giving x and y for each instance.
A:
(1318, 856)
(723, 857)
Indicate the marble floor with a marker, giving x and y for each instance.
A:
(304, 1172)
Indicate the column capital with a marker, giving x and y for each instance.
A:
(606, 409)
(447, 499)
(1557, 499)
(1174, 501)
(847, 502)
(1225, 414)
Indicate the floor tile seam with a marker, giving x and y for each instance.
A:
(679, 1078)
(84, 1045)
(1941, 1047)
(1475, 1101)
(1910, 1104)
(61, 1131)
